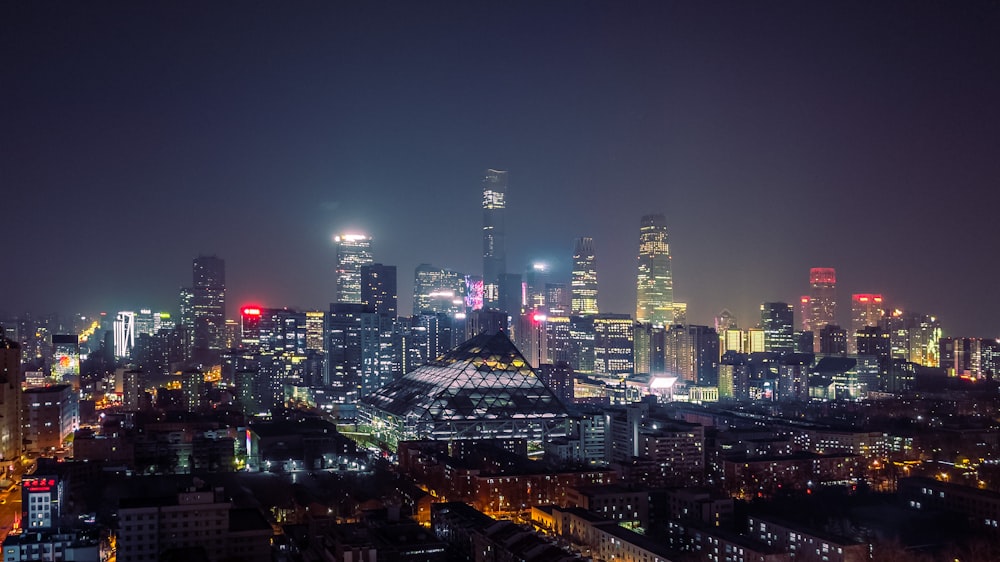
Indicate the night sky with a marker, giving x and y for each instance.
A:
(774, 136)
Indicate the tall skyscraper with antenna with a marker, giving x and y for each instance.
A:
(583, 291)
(494, 248)
(654, 282)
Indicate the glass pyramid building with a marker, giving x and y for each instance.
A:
(483, 388)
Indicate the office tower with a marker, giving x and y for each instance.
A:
(641, 347)
(777, 321)
(614, 343)
(866, 310)
(581, 336)
(734, 340)
(584, 284)
(315, 330)
(124, 333)
(680, 313)
(379, 363)
(535, 295)
(531, 337)
(250, 319)
(559, 378)
(704, 341)
(557, 299)
(378, 289)
(209, 303)
(494, 249)
(725, 321)
(804, 342)
(353, 251)
(436, 289)
(821, 307)
(145, 322)
(833, 340)
(756, 341)
(658, 349)
(510, 294)
(654, 282)
(913, 337)
(66, 359)
(873, 341)
(558, 338)
(10, 400)
(485, 321)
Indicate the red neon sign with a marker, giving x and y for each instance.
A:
(251, 311)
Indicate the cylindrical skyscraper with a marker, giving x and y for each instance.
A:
(654, 283)
(494, 250)
(584, 287)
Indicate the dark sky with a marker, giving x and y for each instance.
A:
(774, 136)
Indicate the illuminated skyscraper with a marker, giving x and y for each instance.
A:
(584, 284)
(866, 310)
(353, 251)
(820, 307)
(250, 318)
(614, 341)
(209, 303)
(776, 318)
(494, 249)
(124, 333)
(654, 283)
(436, 289)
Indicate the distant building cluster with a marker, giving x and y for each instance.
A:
(509, 416)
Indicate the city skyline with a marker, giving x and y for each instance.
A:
(273, 130)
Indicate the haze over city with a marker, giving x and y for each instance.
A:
(773, 136)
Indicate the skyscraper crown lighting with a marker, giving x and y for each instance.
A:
(654, 280)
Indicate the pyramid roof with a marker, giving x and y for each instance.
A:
(485, 378)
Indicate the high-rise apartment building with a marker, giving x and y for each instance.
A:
(209, 303)
(584, 282)
(494, 249)
(10, 400)
(378, 289)
(353, 251)
(820, 306)
(654, 282)
(866, 310)
(777, 321)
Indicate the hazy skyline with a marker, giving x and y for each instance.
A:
(773, 136)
